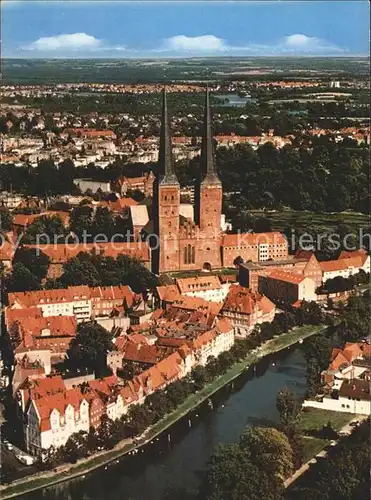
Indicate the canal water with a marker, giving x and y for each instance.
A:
(171, 466)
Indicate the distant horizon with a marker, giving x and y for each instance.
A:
(144, 58)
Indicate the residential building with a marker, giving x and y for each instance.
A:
(287, 288)
(244, 309)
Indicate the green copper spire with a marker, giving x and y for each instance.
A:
(166, 165)
(207, 147)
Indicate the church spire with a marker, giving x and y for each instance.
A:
(166, 165)
(207, 148)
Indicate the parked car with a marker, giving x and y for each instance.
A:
(9, 446)
(354, 424)
(25, 459)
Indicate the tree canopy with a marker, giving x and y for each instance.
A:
(90, 347)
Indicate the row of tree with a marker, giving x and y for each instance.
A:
(340, 284)
(30, 268)
(323, 175)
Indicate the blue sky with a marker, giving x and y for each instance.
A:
(169, 29)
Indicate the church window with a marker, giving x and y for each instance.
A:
(189, 254)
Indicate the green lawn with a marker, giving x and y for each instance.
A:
(314, 419)
(312, 446)
(301, 220)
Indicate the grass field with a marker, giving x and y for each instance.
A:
(312, 446)
(302, 220)
(315, 419)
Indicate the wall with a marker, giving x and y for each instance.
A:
(341, 405)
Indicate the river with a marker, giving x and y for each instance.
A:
(235, 100)
(170, 467)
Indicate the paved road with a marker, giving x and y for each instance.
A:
(345, 430)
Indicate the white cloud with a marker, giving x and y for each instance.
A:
(73, 41)
(68, 45)
(299, 42)
(203, 43)
(210, 44)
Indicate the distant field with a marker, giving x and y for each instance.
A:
(302, 220)
(43, 71)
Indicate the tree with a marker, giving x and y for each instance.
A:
(80, 270)
(90, 347)
(81, 220)
(288, 407)
(177, 392)
(253, 469)
(230, 475)
(262, 225)
(21, 279)
(269, 449)
(34, 260)
(6, 220)
(44, 230)
(76, 447)
(212, 366)
(138, 419)
(238, 261)
(103, 222)
(105, 437)
(158, 405)
(199, 376)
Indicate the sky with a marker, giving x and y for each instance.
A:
(105, 29)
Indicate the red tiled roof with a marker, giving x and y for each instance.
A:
(356, 253)
(197, 304)
(23, 220)
(338, 361)
(210, 282)
(168, 293)
(141, 353)
(87, 132)
(344, 263)
(59, 254)
(244, 301)
(119, 204)
(355, 388)
(287, 277)
(57, 325)
(71, 294)
(250, 239)
(7, 250)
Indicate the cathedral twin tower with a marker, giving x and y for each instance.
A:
(182, 243)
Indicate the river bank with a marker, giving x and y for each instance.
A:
(44, 480)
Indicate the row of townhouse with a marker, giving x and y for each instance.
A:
(82, 302)
(52, 412)
(290, 281)
(208, 287)
(242, 307)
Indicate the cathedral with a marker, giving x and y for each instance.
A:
(180, 243)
